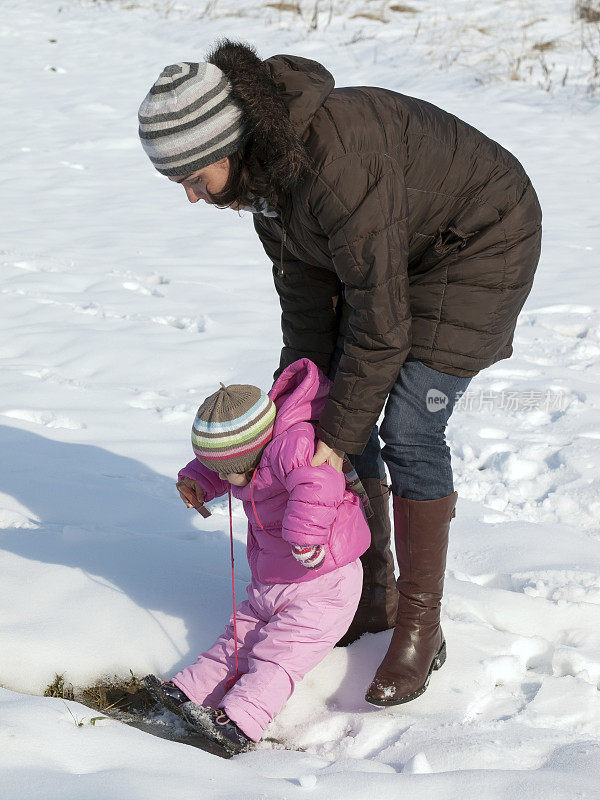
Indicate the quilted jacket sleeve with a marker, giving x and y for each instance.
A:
(210, 482)
(309, 299)
(364, 220)
(314, 492)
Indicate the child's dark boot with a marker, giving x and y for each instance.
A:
(165, 693)
(215, 725)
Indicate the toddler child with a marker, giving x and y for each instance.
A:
(306, 532)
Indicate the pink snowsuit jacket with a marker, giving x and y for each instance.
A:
(295, 503)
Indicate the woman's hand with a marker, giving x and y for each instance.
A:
(191, 493)
(325, 454)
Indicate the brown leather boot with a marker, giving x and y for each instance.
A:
(418, 645)
(379, 600)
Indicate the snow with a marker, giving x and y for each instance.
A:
(122, 307)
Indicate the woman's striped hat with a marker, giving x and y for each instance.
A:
(189, 119)
(232, 427)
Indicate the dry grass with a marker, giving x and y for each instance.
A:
(105, 695)
(58, 688)
(118, 695)
(588, 12)
(402, 9)
(531, 22)
(294, 8)
(542, 47)
(368, 15)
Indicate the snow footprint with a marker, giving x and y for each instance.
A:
(145, 284)
(576, 333)
(153, 401)
(559, 586)
(37, 263)
(51, 376)
(45, 418)
(134, 286)
(566, 704)
(506, 693)
(188, 324)
(575, 653)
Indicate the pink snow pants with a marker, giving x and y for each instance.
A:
(283, 631)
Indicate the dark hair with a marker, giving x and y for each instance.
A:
(247, 180)
(273, 157)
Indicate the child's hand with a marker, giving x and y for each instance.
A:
(310, 556)
(191, 493)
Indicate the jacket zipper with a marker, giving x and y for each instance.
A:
(283, 241)
(285, 211)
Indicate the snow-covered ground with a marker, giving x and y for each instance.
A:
(122, 306)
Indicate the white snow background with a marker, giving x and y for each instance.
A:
(122, 306)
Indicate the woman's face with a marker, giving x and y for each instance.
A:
(199, 185)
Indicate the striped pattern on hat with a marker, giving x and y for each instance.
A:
(188, 119)
(232, 427)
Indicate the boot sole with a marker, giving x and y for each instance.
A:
(153, 686)
(198, 718)
(437, 663)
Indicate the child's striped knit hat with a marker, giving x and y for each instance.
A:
(189, 119)
(232, 427)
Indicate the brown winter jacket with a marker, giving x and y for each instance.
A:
(415, 233)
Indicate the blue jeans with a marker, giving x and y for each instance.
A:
(413, 431)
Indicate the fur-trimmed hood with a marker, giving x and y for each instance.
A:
(279, 98)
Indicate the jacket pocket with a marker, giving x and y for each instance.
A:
(469, 222)
(451, 239)
(350, 536)
(446, 243)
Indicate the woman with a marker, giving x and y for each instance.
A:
(404, 243)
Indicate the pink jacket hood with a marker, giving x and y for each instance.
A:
(299, 394)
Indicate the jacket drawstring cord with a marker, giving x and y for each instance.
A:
(254, 507)
(234, 678)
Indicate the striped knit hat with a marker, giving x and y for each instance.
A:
(188, 119)
(232, 427)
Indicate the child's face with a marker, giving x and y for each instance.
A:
(235, 478)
